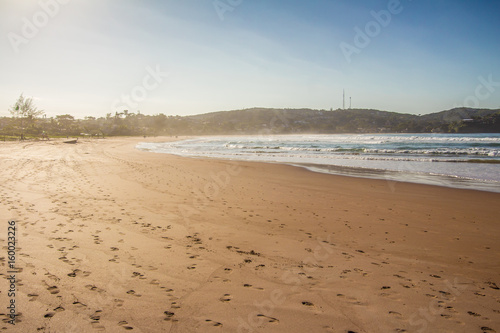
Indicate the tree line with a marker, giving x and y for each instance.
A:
(27, 121)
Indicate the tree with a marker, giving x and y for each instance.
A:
(25, 110)
(66, 124)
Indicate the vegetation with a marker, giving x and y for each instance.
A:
(24, 114)
(27, 121)
(486, 124)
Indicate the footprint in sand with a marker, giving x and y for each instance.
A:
(73, 274)
(394, 313)
(474, 314)
(132, 292)
(124, 324)
(96, 316)
(271, 319)
(52, 276)
(169, 315)
(79, 304)
(49, 315)
(137, 274)
(493, 285)
(115, 259)
(225, 298)
(214, 323)
(93, 288)
(53, 289)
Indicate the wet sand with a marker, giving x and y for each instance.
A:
(113, 239)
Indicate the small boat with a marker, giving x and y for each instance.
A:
(70, 141)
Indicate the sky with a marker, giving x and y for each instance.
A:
(185, 57)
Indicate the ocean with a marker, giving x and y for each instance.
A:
(470, 161)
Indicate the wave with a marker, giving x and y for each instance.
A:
(360, 157)
(373, 139)
(357, 150)
(471, 156)
(381, 139)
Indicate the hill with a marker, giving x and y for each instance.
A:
(282, 121)
(259, 121)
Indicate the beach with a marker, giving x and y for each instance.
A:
(110, 238)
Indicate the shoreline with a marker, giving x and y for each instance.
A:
(115, 238)
(413, 177)
(440, 180)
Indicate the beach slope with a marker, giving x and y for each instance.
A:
(110, 239)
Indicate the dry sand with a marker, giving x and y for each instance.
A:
(114, 239)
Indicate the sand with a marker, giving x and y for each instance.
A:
(111, 239)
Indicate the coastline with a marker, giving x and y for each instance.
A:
(352, 155)
(157, 242)
(405, 177)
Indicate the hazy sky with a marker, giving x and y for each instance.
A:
(93, 57)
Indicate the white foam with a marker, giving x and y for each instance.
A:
(423, 154)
